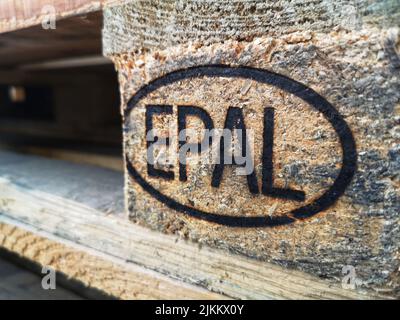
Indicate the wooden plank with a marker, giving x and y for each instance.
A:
(109, 278)
(17, 14)
(82, 205)
(36, 44)
(25, 10)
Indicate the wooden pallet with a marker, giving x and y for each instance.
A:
(68, 208)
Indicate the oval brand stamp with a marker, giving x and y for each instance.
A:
(238, 146)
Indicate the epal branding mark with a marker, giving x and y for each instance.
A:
(272, 110)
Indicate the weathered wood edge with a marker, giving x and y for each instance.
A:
(114, 238)
(19, 14)
(93, 275)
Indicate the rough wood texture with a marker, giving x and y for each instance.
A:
(82, 206)
(158, 24)
(346, 52)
